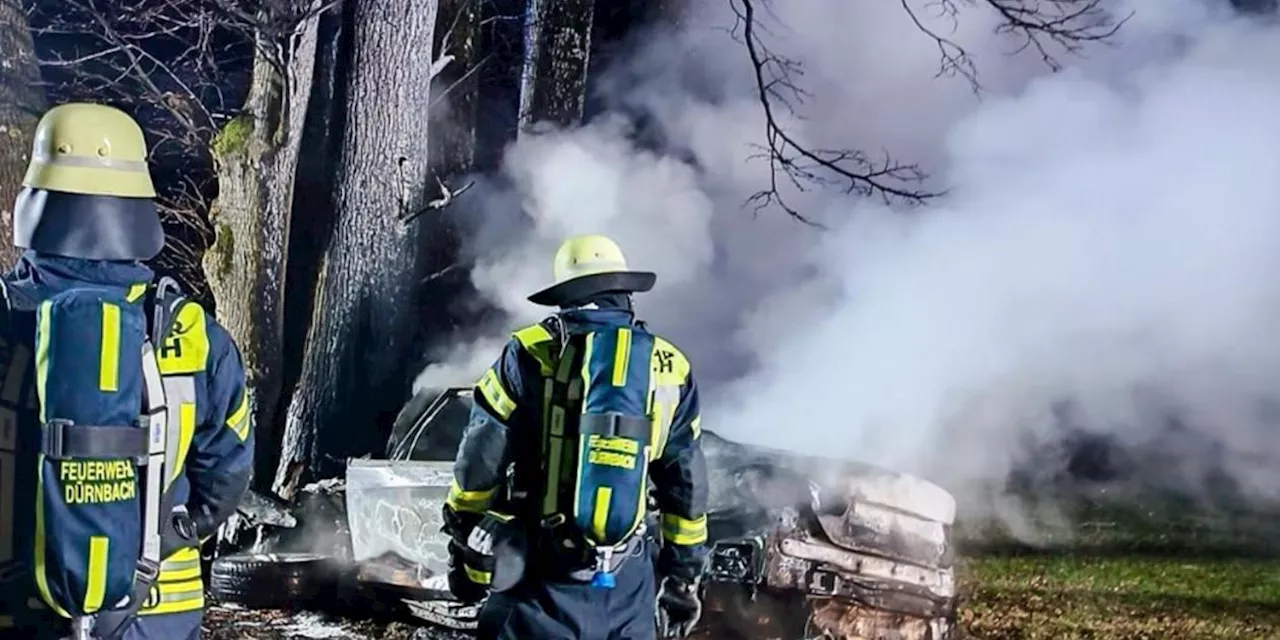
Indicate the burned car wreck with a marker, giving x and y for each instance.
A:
(800, 547)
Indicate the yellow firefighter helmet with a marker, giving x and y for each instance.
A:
(586, 266)
(88, 192)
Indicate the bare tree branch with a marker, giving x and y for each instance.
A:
(1050, 27)
(168, 63)
(796, 166)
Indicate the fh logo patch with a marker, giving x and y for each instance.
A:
(666, 361)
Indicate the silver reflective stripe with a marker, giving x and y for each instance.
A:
(665, 399)
(178, 390)
(132, 166)
(179, 565)
(178, 596)
(157, 444)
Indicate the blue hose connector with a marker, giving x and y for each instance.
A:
(603, 580)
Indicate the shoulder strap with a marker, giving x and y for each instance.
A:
(164, 302)
(562, 399)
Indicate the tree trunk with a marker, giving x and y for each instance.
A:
(313, 215)
(354, 372)
(458, 36)
(502, 37)
(555, 79)
(256, 156)
(21, 103)
(453, 153)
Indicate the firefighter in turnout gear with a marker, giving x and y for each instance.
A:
(125, 427)
(585, 418)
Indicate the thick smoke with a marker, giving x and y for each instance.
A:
(1105, 259)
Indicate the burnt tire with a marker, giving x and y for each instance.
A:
(272, 580)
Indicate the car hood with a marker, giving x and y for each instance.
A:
(853, 505)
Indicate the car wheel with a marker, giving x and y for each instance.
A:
(272, 580)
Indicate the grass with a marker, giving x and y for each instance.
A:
(1122, 597)
(1164, 571)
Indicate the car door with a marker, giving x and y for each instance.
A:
(394, 504)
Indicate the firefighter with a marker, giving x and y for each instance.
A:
(86, 217)
(524, 542)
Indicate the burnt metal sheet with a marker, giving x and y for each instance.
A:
(396, 507)
(937, 583)
(886, 531)
(853, 621)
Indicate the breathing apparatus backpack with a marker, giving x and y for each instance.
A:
(604, 377)
(101, 507)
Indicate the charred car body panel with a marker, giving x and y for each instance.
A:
(800, 546)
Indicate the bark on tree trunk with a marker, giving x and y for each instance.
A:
(555, 78)
(354, 370)
(21, 103)
(313, 227)
(256, 156)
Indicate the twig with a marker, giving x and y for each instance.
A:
(797, 163)
(446, 198)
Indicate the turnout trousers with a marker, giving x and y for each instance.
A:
(169, 626)
(567, 610)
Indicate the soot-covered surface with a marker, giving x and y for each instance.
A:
(226, 622)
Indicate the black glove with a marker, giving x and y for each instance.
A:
(466, 566)
(679, 607)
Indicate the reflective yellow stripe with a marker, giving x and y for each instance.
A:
(6, 622)
(477, 576)
(696, 426)
(136, 291)
(677, 530)
(182, 566)
(621, 357)
(551, 501)
(470, 501)
(174, 597)
(552, 449)
(554, 429)
(238, 421)
(186, 430)
(662, 403)
(491, 388)
(42, 380)
(536, 341)
(96, 586)
(532, 335)
(109, 359)
(600, 517)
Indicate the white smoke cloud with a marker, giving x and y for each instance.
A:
(1111, 240)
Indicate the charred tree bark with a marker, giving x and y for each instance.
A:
(354, 372)
(555, 79)
(313, 226)
(21, 102)
(256, 157)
